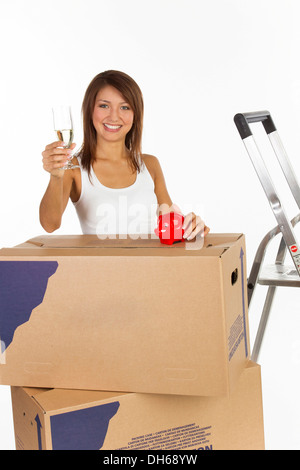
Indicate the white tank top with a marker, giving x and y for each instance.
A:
(106, 211)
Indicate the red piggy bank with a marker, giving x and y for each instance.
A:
(169, 228)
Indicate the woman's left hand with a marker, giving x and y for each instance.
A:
(192, 225)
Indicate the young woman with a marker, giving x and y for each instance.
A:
(117, 188)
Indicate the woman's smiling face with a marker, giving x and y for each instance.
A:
(112, 116)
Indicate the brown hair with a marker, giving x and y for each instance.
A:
(133, 95)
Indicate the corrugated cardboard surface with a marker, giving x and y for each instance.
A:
(127, 315)
(80, 419)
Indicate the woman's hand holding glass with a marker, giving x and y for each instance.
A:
(56, 156)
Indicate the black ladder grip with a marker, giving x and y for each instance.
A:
(242, 121)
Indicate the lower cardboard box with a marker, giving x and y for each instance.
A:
(60, 419)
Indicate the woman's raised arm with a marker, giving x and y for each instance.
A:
(57, 194)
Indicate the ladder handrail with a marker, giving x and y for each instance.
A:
(242, 121)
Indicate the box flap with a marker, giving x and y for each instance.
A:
(91, 245)
(92, 241)
(118, 241)
(34, 391)
(52, 400)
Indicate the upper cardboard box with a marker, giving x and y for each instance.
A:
(128, 315)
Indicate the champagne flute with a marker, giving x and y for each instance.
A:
(63, 127)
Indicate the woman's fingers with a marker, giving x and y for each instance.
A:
(206, 230)
(193, 225)
(56, 156)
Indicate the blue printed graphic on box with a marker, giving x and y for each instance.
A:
(82, 429)
(22, 288)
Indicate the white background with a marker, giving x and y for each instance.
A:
(198, 63)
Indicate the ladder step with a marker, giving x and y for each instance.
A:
(279, 275)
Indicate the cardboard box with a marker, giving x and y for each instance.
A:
(89, 420)
(128, 315)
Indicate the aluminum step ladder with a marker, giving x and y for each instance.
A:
(277, 274)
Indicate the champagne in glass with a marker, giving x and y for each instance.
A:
(66, 135)
(63, 126)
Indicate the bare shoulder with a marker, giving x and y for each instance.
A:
(150, 159)
(152, 164)
(154, 168)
